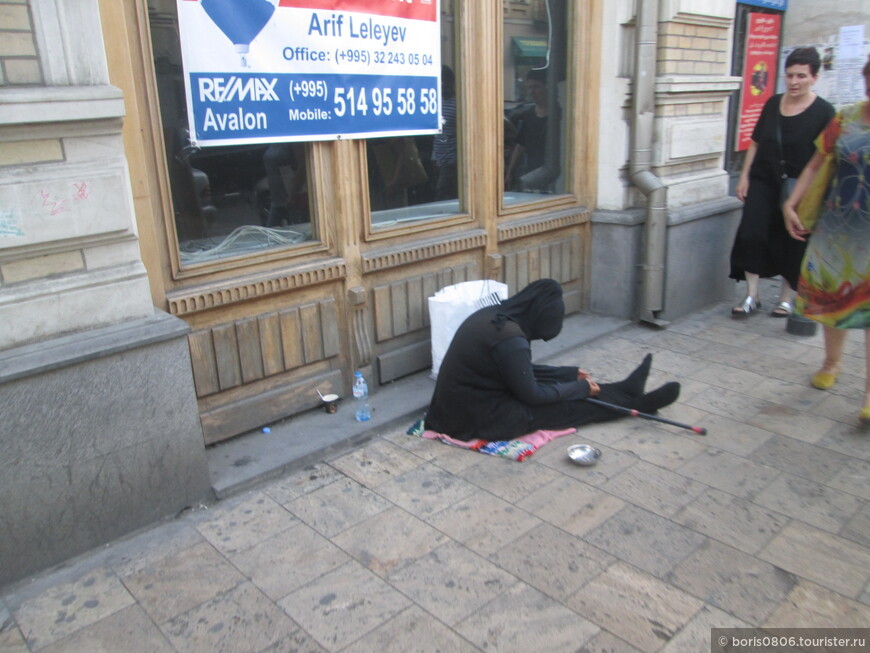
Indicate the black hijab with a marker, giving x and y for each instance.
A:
(538, 309)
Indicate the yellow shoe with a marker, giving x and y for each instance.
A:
(823, 380)
(864, 416)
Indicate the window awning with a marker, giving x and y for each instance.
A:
(528, 48)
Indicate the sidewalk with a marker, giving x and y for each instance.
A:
(401, 544)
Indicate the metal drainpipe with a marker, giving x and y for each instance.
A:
(643, 116)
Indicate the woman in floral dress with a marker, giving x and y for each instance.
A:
(834, 286)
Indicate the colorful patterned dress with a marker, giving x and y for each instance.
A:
(834, 286)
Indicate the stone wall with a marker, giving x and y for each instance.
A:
(19, 63)
(100, 431)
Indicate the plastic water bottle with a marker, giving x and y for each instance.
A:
(362, 410)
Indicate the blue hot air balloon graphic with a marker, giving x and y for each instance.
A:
(239, 20)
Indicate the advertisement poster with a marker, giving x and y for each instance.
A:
(759, 72)
(298, 70)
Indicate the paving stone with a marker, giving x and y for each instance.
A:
(813, 606)
(810, 502)
(302, 482)
(695, 635)
(653, 488)
(572, 505)
(607, 642)
(800, 458)
(661, 447)
(508, 479)
(733, 581)
(552, 561)
(649, 542)
(426, 490)
(553, 628)
(241, 523)
(483, 522)
(412, 630)
(732, 435)
(389, 540)
(727, 403)
(337, 506)
(853, 478)
(286, 561)
(798, 394)
(791, 421)
(11, 641)
(833, 562)
(858, 528)
(726, 376)
(181, 581)
(142, 550)
(451, 582)
(375, 463)
(732, 520)
(131, 625)
(64, 609)
(606, 433)
(730, 473)
(242, 620)
(848, 438)
(837, 408)
(298, 642)
(725, 334)
(340, 607)
(674, 341)
(639, 608)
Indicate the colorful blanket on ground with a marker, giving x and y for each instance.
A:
(518, 449)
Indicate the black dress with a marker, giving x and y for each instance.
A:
(489, 389)
(762, 245)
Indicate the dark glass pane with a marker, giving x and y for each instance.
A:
(535, 90)
(414, 179)
(227, 200)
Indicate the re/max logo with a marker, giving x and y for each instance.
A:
(223, 89)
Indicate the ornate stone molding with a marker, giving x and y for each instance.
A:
(701, 86)
(393, 257)
(541, 223)
(60, 104)
(232, 291)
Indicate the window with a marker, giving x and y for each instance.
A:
(415, 179)
(535, 100)
(228, 200)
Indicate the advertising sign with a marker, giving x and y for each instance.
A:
(260, 71)
(759, 72)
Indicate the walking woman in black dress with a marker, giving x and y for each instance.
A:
(785, 132)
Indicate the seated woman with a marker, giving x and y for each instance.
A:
(489, 389)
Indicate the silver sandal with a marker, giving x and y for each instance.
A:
(746, 308)
(782, 309)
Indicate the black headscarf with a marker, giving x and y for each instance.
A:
(538, 309)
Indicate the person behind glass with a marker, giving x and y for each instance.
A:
(444, 147)
(834, 285)
(489, 389)
(282, 208)
(782, 143)
(530, 151)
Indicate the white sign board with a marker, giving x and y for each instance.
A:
(261, 71)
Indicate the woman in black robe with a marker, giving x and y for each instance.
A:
(489, 389)
(782, 143)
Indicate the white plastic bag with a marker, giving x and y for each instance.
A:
(449, 307)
